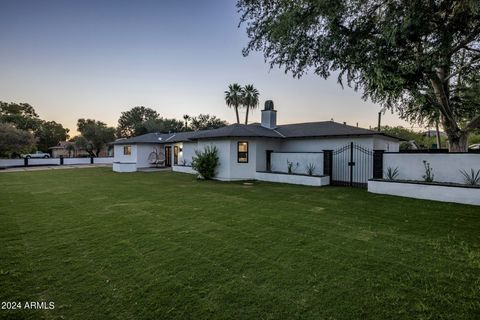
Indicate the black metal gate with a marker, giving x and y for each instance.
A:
(352, 165)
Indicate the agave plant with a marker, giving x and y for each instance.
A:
(472, 177)
(391, 173)
(428, 177)
(310, 168)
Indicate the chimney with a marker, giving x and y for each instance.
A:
(269, 116)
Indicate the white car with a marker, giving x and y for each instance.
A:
(38, 154)
(475, 146)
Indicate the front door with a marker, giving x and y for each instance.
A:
(175, 155)
(269, 160)
(168, 156)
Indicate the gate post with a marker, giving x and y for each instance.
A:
(378, 164)
(327, 163)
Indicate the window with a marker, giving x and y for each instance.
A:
(175, 155)
(127, 150)
(242, 152)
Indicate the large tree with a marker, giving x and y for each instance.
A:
(97, 133)
(21, 115)
(49, 134)
(418, 57)
(131, 123)
(14, 141)
(206, 122)
(161, 124)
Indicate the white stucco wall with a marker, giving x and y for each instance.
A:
(120, 157)
(390, 145)
(187, 153)
(143, 151)
(261, 146)
(429, 192)
(279, 162)
(124, 167)
(320, 144)
(292, 179)
(223, 146)
(445, 166)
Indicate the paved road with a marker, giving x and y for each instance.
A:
(40, 168)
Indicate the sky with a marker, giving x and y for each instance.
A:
(95, 59)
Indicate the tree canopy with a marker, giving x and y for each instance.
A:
(49, 134)
(141, 120)
(14, 142)
(20, 115)
(420, 58)
(206, 122)
(96, 133)
(131, 122)
(161, 124)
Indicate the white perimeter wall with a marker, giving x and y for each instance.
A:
(445, 166)
(430, 192)
(279, 162)
(320, 144)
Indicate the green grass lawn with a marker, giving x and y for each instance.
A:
(103, 245)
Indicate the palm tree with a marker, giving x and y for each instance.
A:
(249, 99)
(186, 117)
(233, 97)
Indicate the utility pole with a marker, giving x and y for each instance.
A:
(379, 120)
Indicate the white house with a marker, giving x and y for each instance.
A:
(250, 151)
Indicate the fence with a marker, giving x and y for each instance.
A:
(300, 161)
(446, 166)
(7, 163)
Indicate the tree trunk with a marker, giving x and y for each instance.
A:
(236, 112)
(457, 138)
(246, 116)
(439, 142)
(458, 143)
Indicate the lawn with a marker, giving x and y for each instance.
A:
(103, 245)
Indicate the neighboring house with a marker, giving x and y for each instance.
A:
(433, 133)
(245, 150)
(61, 150)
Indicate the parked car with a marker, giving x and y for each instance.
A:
(38, 154)
(475, 146)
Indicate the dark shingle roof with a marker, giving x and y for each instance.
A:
(255, 130)
(321, 129)
(237, 130)
(157, 138)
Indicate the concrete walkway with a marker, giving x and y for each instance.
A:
(68, 166)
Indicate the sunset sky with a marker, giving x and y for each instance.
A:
(74, 59)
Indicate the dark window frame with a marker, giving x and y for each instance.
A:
(243, 152)
(129, 148)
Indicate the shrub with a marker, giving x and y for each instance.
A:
(206, 162)
(472, 178)
(428, 177)
(310, 169)
(392, 173)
